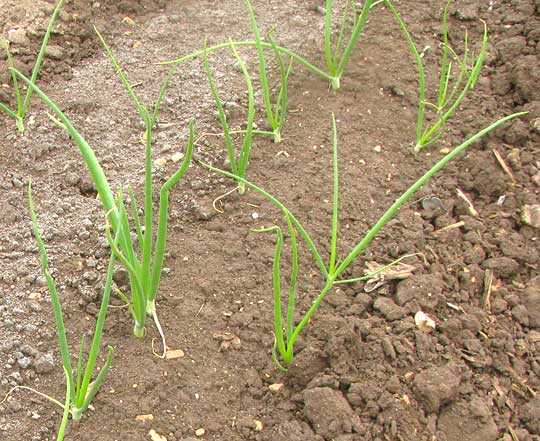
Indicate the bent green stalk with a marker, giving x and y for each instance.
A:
(228, 44)
(22, 105)
(239, 164)
(65, 414)
(284, 342)
(80, 390)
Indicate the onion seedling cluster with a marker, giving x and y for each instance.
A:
(448, 97)
(286, 336)
(144, 269)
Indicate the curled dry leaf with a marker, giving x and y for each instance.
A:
(425, 323)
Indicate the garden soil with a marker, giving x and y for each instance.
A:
(364, 369)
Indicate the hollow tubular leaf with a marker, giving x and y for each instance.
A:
(41, 55)
(161, 239)
(282, 49)
(221, 113)
(65, 414)
(55, 300)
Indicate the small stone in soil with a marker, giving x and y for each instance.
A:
(437, 386)
(44, 364)
(389, 309)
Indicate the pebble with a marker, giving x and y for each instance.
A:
(530, 215)
(502, 266)
(54, 52)
(24, 362)
(389, 309)
(437, 386)
(18, 36)
(44, 364)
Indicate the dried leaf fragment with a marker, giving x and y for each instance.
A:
(171, 354)
(276, 387)
(144, 418)
(154, 436)
(425, 323)
(530, 215)
(177, 156)
(228, 340)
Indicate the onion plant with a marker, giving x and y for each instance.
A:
(23, 102)
(332, 269)
(144, 268)
(277, 112)
(81, 390)
(337, 56)
(451, 92)
(240, 162)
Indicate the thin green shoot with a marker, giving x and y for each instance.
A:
(448, 99)
(284, 342)
(23, 104)
(65, 414)
(249, 43)
(239, 164)
(338, 54)
(147, 265)
(81, 390)
(275, 113)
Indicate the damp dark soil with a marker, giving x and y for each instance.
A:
(364, 370)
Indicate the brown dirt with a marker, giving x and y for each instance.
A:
(363, 370)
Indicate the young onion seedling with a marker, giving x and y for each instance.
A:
(145, 268)
(337, 55)
(238, 164)
(277, 112)
(449, 97)
(23, 103)
(286, 335)
(80, 388)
